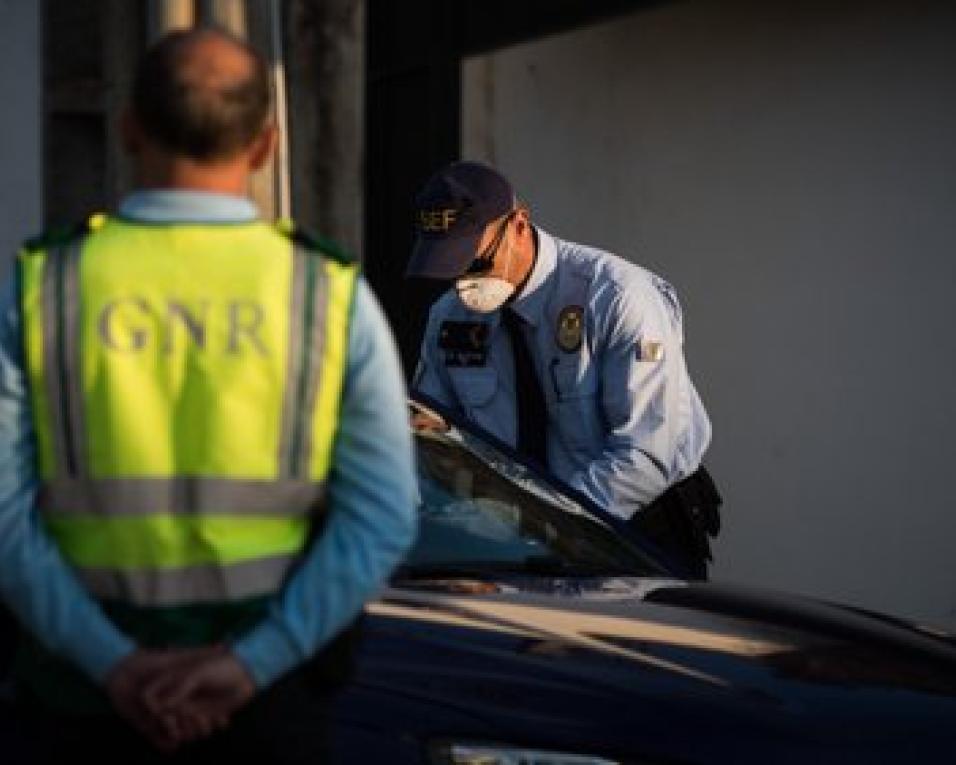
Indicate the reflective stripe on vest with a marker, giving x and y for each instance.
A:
(185, 384)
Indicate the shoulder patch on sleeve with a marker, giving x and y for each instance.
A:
(650, 351)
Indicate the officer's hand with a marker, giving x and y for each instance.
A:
(125, 686)
(422, 420)
(208, 693)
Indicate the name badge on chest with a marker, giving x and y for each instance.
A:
(465, 343)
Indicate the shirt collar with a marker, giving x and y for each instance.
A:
(533, 297)
(187, 206)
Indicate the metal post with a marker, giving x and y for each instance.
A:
(283, 186)
(123, 38)
(166, 15)
(325, 58)
(262, 24)
(247, 22)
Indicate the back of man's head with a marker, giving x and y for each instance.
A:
(201, 94)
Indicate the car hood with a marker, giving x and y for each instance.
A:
(623, 661)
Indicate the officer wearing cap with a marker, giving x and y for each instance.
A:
(572, 355)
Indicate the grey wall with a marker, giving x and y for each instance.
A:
(791, 168)
(20, 140)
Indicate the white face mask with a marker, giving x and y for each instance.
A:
(485, 294)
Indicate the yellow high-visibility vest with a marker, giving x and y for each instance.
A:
(185, 384)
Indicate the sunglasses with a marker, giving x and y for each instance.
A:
(485, 259)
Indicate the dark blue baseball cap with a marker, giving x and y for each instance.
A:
(451, 213)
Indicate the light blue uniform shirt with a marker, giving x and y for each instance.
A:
(624, 420)
(371, 493)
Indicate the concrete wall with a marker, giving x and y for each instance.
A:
(791, 168)
(21, 209)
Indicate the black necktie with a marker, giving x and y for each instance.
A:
(529, 398)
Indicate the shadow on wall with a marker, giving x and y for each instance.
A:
(790, 169)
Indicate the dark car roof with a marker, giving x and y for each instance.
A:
(659, 669)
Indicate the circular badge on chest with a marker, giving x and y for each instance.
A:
(570, 328)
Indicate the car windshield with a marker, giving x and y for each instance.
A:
(481, 512)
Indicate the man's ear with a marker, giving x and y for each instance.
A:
(131, 134)
(262, 148)
(522, 221)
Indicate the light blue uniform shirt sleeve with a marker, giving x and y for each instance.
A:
(644, 400)
(371, 505)
(36, 583)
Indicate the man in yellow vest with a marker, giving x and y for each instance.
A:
(206, 468)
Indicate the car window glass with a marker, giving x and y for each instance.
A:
(470, 515)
